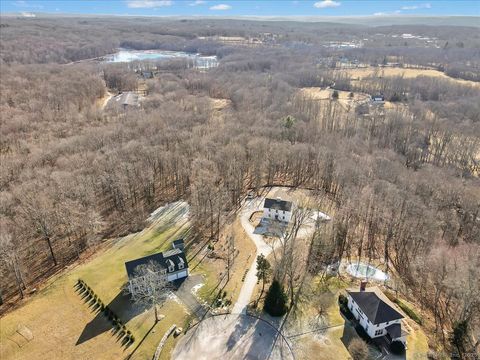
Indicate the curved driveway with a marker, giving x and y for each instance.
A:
(262, 248)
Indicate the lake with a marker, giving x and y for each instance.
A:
(125, 55)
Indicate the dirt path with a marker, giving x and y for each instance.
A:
(104, 101)
(262, 248)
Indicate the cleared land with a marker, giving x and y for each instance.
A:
(63, 326)
(362, 73)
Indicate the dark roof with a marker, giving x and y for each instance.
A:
(175, 255)
(377, 310)
(178, 242)
(394, 330)
(277, 204)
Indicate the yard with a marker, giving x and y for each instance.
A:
(63, 326)
(319, 331)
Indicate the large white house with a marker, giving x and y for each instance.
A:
(277, 209)
(173, 263)
(376, 314)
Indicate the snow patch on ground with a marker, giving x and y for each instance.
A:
(180, 209)
(196, 288)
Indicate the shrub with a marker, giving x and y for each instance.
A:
(397, 347)
(343, 304)
(412, 314)
(335, 95)
(358, 349)
(276, 300)
(132, 338)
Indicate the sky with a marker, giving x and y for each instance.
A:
(244, 7)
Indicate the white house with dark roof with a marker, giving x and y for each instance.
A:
(378, 99)
(172, 262)
(376, 314)
(277, 209)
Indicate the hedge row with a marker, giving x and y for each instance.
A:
(112, 317)
(407, 310)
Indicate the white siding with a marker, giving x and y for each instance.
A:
(177, 275)
(277, 214)
(370, 328)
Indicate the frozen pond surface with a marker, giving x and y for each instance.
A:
(125, 55)
(361, 270)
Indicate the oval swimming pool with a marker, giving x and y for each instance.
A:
(361, 270)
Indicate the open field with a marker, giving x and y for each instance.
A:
(362, 73)
(62, 325)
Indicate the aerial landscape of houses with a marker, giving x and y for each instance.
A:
(261, 180)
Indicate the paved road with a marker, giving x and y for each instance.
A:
(184, 293)
(262, 248)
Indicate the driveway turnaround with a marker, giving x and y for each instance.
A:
(232, 336)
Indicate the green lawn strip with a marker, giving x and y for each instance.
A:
(406, 307)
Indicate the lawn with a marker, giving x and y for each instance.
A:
(215, 269)
(62, 325)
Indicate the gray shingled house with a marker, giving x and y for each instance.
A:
(376, 314)
(173, 262)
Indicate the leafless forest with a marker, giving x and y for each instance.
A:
(403, 181)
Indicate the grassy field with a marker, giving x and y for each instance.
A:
(215, 268)
(62, 325)
(362, 73)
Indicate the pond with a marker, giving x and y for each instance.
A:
(126, 55)
(361, 270)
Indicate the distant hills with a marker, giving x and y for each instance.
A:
(372, 20)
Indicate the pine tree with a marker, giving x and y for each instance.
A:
(263, 270)
(276, 300)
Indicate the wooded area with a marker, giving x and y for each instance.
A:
(404, 180)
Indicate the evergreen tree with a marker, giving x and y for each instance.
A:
(459, 335)
(276, 300)
(263, 270)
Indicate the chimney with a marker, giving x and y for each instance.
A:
(363, 285)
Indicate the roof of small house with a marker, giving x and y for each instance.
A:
(395, 331)
(377, 310)
(277, 204)
(128, 98)
(178, 242)
(176, 256)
